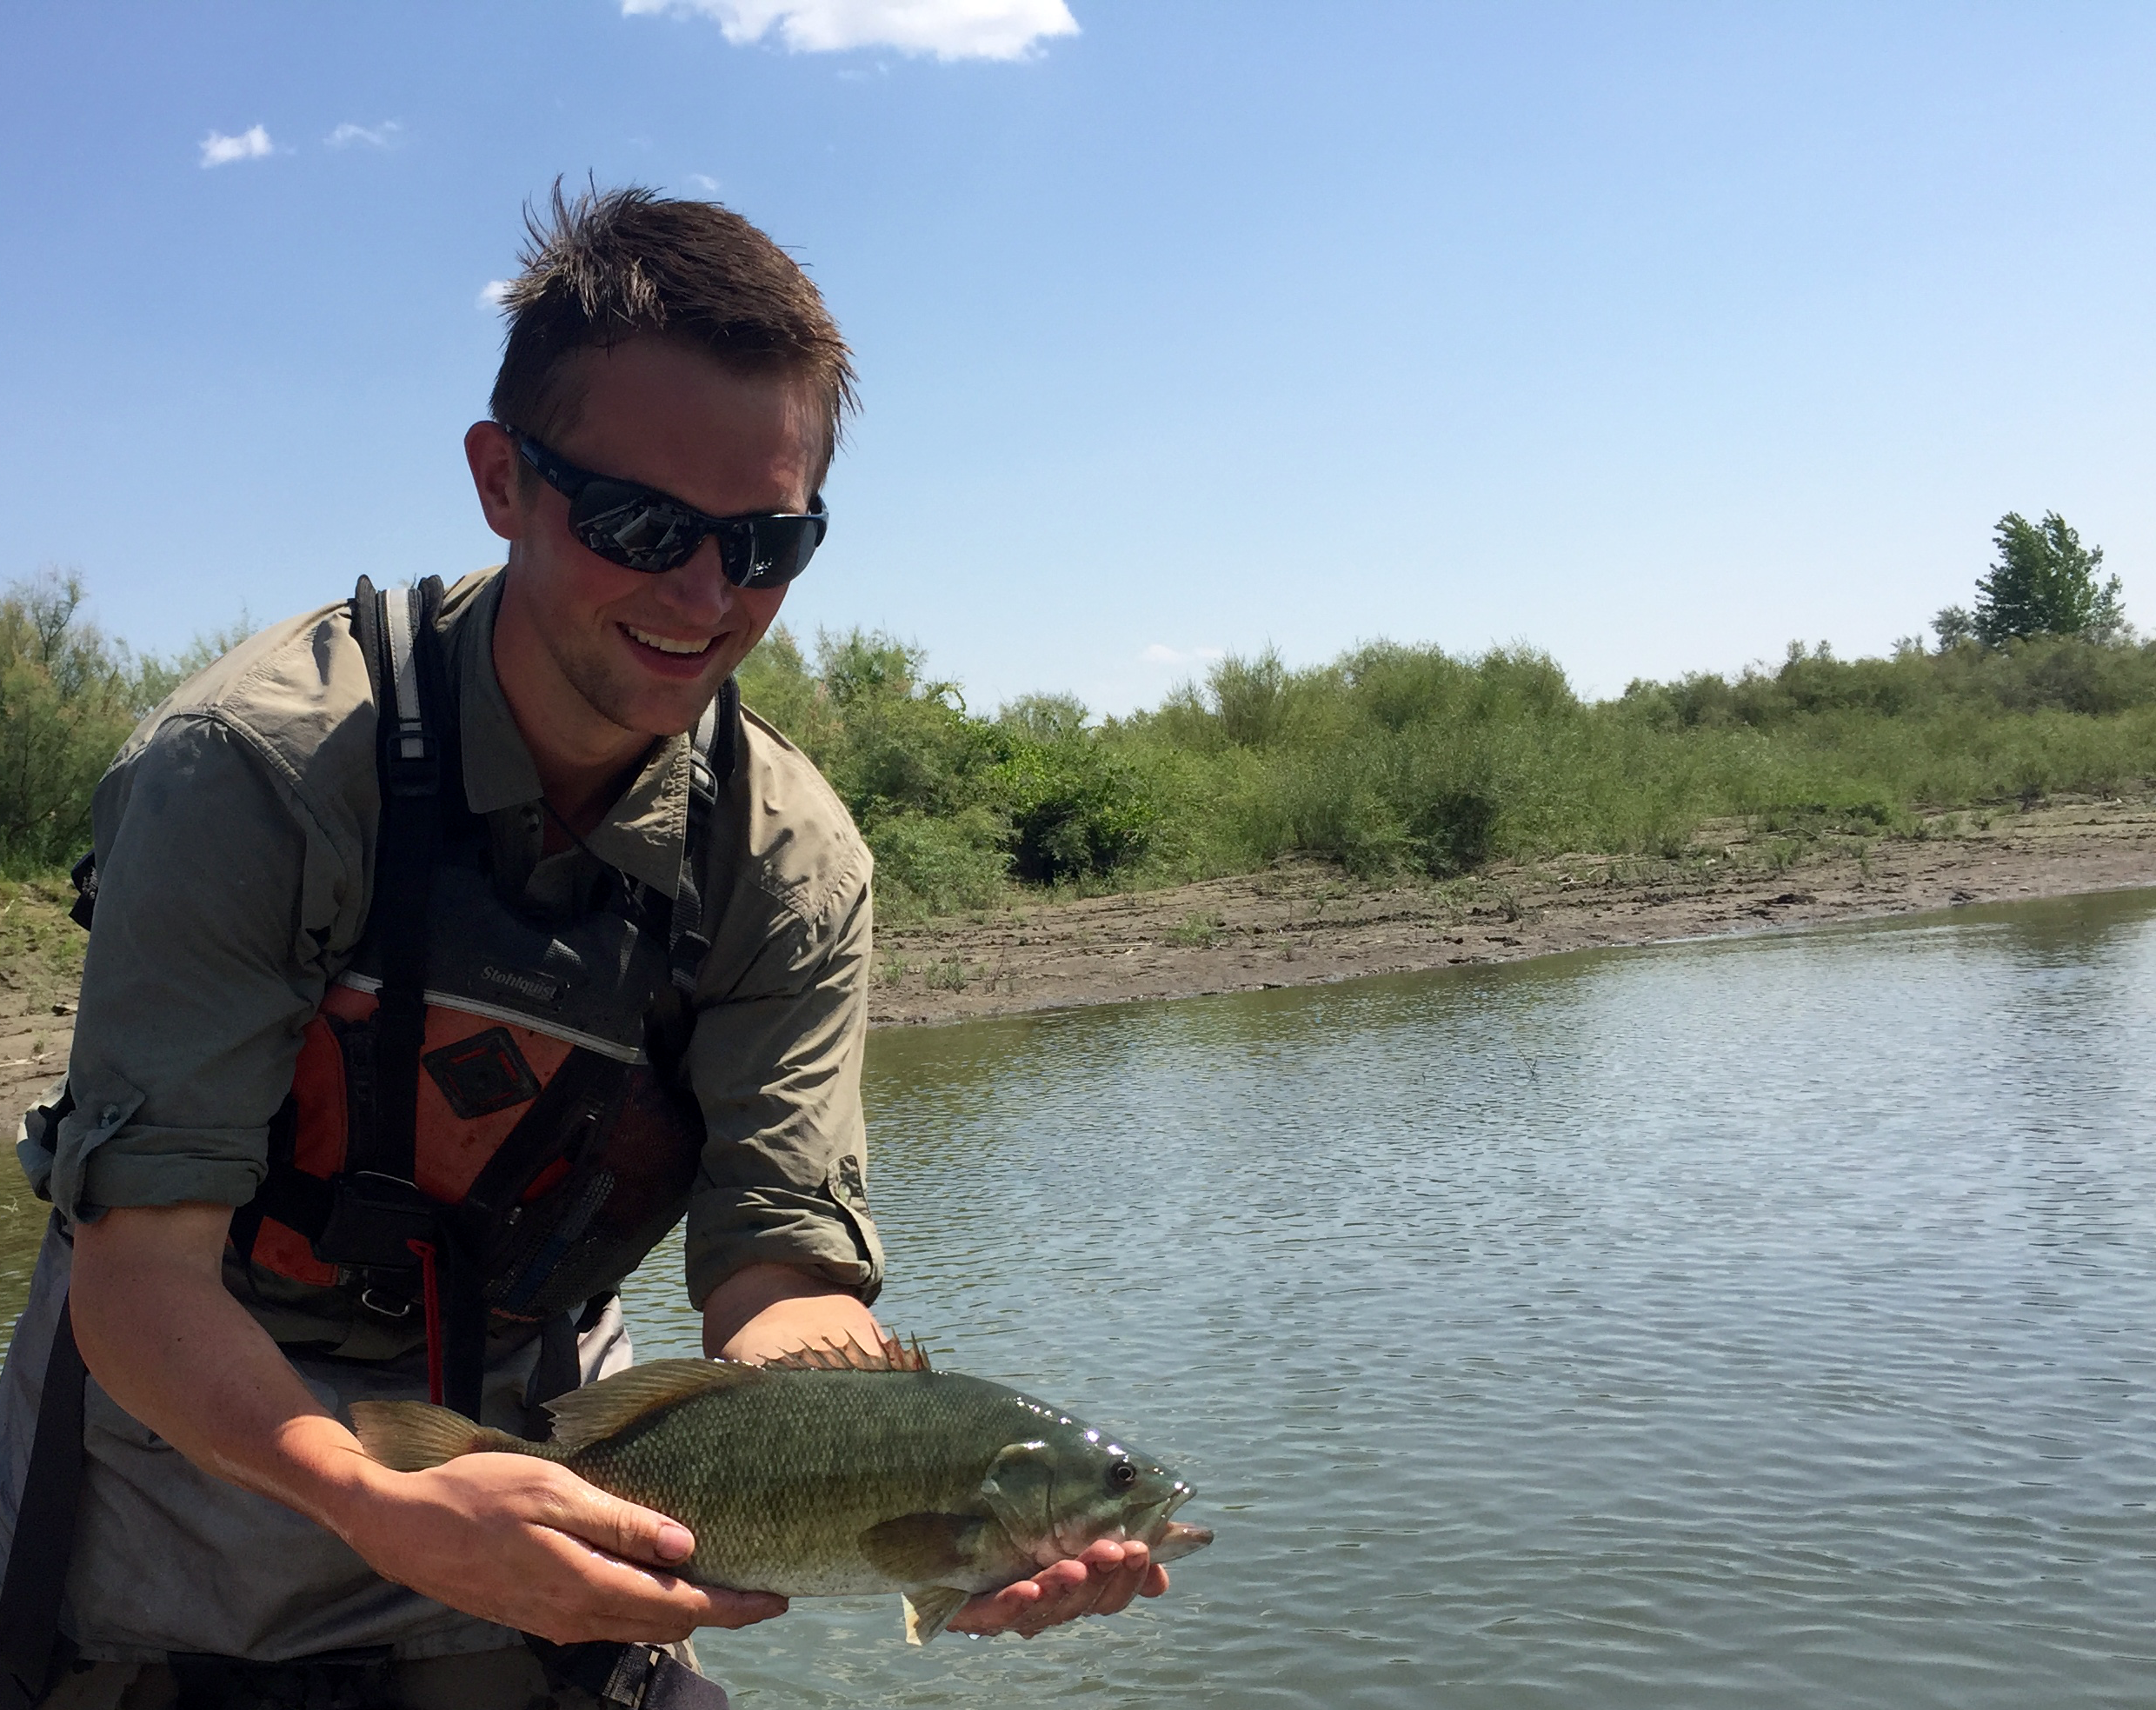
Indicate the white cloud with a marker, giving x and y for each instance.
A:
(948, 29)
(219, 150)
(1159, 653)
(704, 182)
(490, 294)
(382, 135)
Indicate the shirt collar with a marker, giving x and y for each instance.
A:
(641, 834)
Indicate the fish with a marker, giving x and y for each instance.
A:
(836, 1471)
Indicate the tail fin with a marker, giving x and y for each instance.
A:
(411, 1436)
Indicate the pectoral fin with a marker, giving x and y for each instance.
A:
(916, 1548)
(928, 1609)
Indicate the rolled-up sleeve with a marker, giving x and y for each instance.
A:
(775, 1061)
(216, 897)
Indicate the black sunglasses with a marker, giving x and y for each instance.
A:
(641, 529)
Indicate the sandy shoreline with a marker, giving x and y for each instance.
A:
(1309, 924)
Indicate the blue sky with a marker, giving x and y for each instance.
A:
(1654, 335)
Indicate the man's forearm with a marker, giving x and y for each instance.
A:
(159, 1331)
(763, 1310)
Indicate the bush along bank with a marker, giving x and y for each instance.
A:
(1400, 762)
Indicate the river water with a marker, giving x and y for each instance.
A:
(1768, 1320)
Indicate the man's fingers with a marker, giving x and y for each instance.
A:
(626, 1599)
(1111, 1555)
(1058, 1581)
(1114, 1593)
(636, 1596)
(1099, 1582)
(626, 1529)
(739, 1609)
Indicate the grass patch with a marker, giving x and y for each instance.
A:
(1197, 931)
(41, 949)
(949, 974)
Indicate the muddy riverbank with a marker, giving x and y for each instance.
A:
(1307, 923)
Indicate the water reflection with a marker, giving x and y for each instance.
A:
(1768, 1318)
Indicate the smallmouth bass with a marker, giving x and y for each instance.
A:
(835, 1471)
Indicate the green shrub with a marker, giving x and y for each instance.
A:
(1074, 810)
(69, 696)
(927, 866)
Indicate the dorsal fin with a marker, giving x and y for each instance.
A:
(892, 1355)
(598, 1411)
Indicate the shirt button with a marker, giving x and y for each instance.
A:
(109, 1116)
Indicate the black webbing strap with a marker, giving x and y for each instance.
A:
(411, 715)
(558, 1370)
(710, 764)
(633, 1677)
(406, 843)
(44, 1526)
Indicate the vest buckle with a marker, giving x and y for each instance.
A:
(373, 1218)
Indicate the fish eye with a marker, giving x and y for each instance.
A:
(1121, 1475)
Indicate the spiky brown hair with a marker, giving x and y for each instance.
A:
(614, 264)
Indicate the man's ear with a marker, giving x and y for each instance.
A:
(495, 467)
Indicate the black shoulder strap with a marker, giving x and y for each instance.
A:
(411, 715)
(397, 627)
(711, 751)
(44, 1526)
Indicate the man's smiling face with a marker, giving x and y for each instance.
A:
(597, 656)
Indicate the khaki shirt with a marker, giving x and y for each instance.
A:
(235, 838)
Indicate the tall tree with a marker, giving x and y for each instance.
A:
(2044, 583)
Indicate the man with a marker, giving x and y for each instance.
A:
(235, 1258)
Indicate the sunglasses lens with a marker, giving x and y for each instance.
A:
(627, 526)
(639, 529)
(770, 552)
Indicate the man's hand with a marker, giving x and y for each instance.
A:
(522, 1542)
(1099, 1582)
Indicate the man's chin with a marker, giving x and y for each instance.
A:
(650, 709)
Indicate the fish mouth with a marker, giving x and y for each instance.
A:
(1176, 1538)
(1167, 1537)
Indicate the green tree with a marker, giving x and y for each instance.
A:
(1953, 626)
(2044, 583)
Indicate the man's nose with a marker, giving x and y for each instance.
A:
(696, 589)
